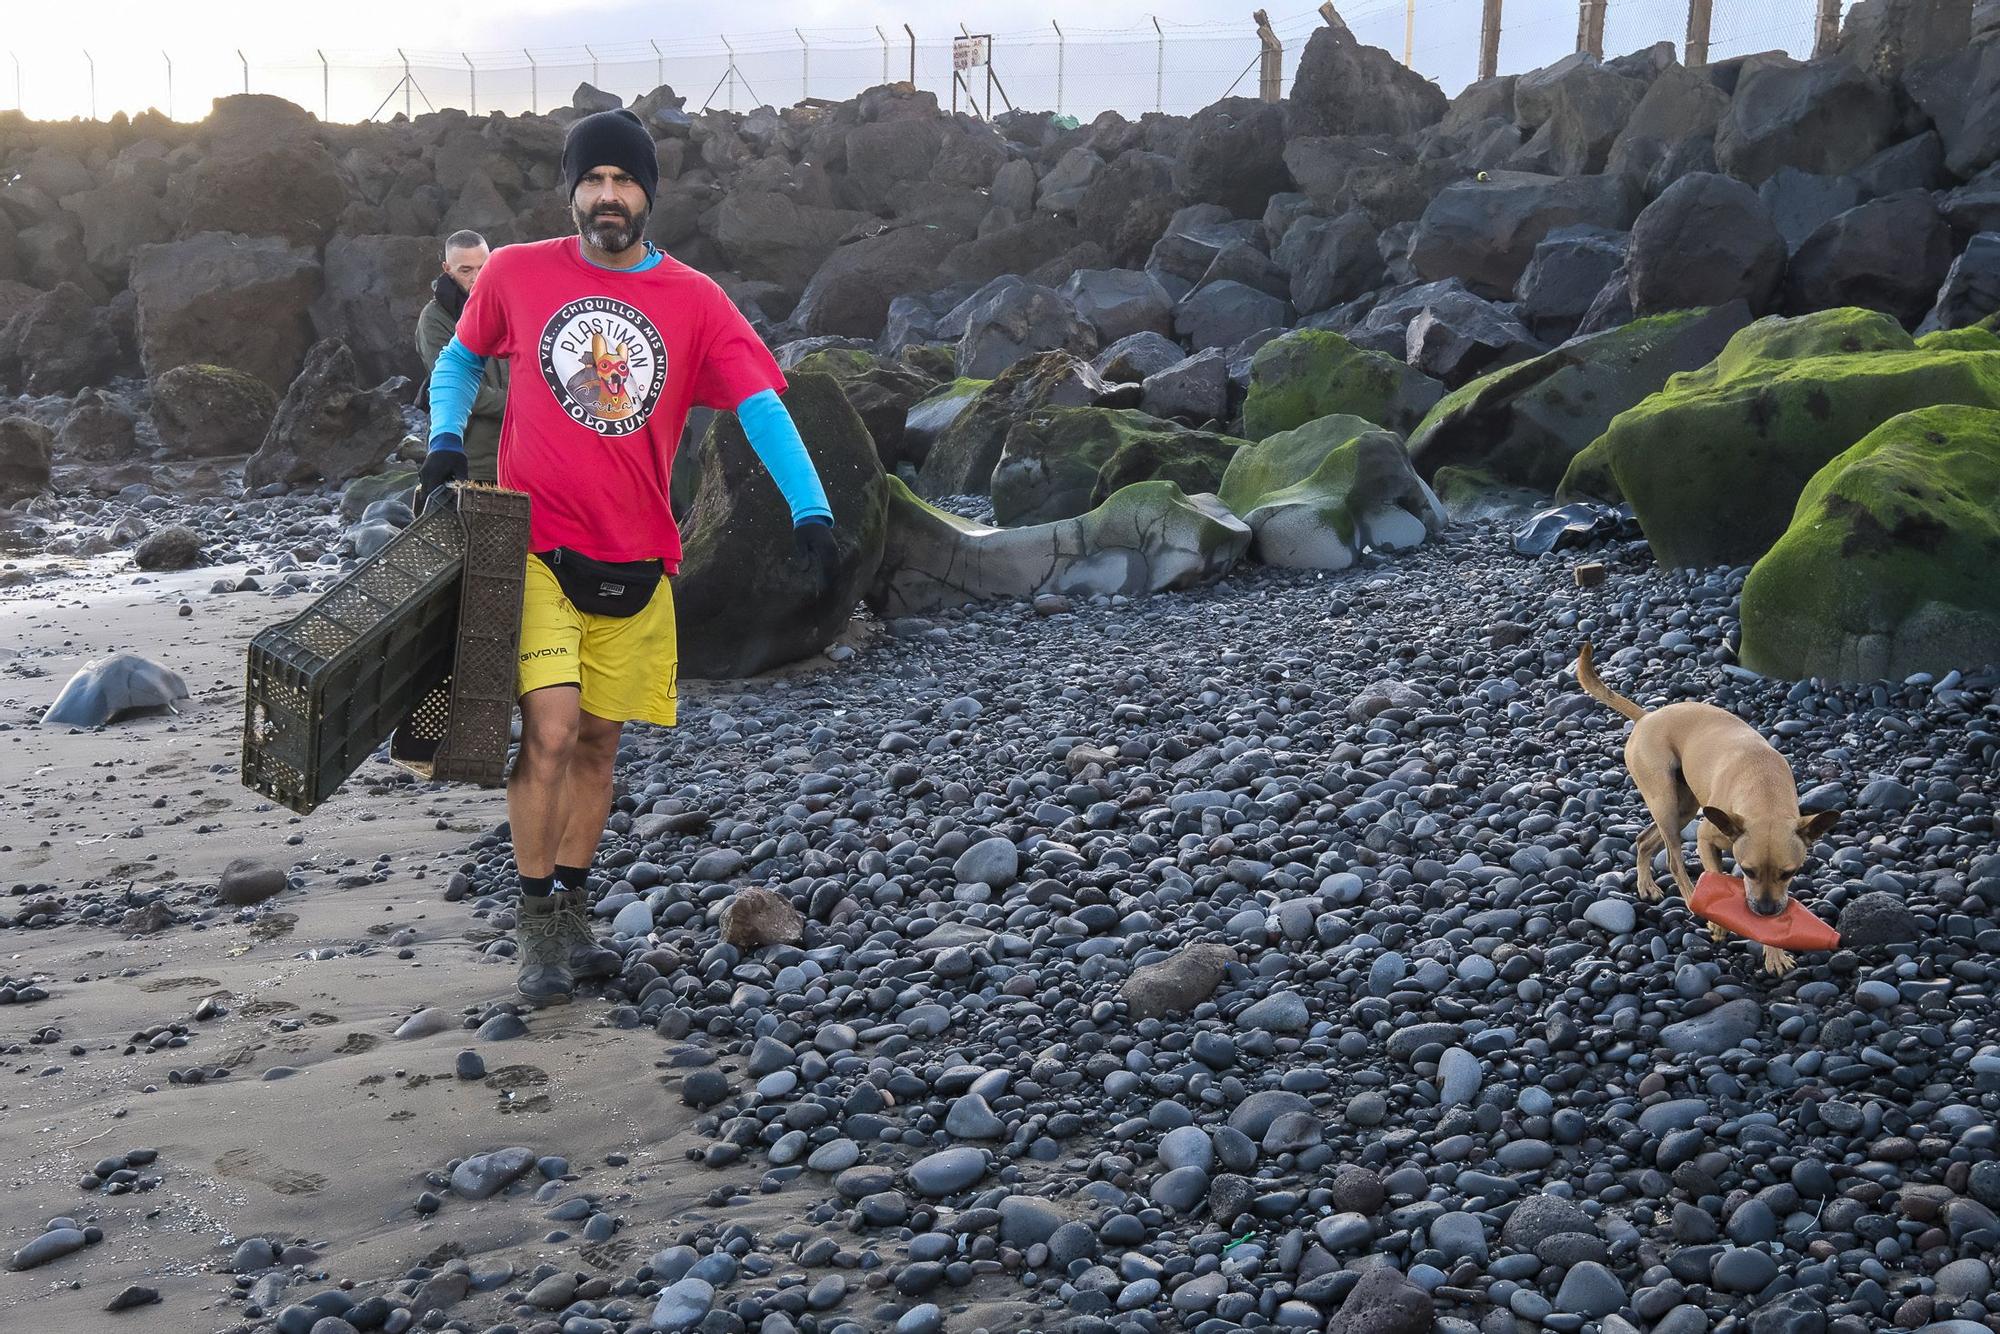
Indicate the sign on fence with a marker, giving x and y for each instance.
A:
(970, 52)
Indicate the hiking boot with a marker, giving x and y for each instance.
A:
(544, 949)
(586, 957)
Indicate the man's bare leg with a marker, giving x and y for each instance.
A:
(551, 719)
(586, 802)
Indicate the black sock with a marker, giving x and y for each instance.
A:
(537, 886)
(572, 877)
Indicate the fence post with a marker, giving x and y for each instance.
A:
(1695, 54)
(1159, 66)
(913, 54)
(1826, 39)
(325, 87)
(246, 68)
(471, 82)
(730, 73)
(1062, 50)
(170, 83)
(1489, 40)
(1590, 27)
(1410, 35)
(19, 105)
(1270, 59)
(593, 64)
(91, 61)
(805, 65)
(409, 112)
(884, 38)
(534, 83)
(659, 64)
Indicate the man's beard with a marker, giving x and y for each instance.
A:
(613, 233)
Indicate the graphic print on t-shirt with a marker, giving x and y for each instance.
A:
(605, 362)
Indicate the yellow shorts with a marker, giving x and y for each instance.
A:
(627, 666)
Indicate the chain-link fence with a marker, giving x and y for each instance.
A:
(1081, 71)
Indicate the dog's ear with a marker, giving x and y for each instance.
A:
(1726, 824)
(1812, 826)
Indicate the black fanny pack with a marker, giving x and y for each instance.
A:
(604, 587)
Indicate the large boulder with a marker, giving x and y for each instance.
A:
(1706, 241)
(1018, 321)
(1890, 255)
(1318, 496)
(962, 455)
(1120, 302)
(1671, 130)
(1029, 247)
(1713, 465)
(1149, 537)
(1128, 204)
(1802, 202)
(1234, 155)
(742, 603)
(226, 300)
(1570, 267)
(98, 428)
(933, 414)
(25, 448)
(1971, 289)
(881, 391)
(1452, 342)
(127, 208)
(58, 343)
(1062, 462)
(374, 287)
(1061, 190)
(1886, 37)
(850, 293)
(1343, 87)
(1485, 232)
(1194, 390)
(283, 185)
(769, 236)
(1887, 567)
(329, 425)
(1134, 357)
(1223, 314)
(1962, 97)
(211, 411)
(884, 154)
(1311, 373)
(1576, 109)
(1521, 426)
(1828, 116)
(1330, 260)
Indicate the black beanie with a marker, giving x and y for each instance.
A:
(610, 139)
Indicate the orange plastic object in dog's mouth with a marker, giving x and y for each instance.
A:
(1720, 898)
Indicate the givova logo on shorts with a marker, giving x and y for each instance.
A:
(605, 363)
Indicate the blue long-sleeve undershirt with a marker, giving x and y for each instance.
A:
(770, 428)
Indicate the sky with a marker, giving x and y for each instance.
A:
(176, 57)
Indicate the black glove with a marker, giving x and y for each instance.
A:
(443, 465)
(817, 553)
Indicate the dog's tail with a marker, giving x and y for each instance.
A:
(1587, 677)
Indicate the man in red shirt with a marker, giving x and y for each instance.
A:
(609, 343)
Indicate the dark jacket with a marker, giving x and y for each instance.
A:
(435, 327)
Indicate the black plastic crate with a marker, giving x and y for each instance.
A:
(326, 688)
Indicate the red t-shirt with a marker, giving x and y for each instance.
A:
(604, 366)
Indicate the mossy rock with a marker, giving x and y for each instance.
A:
(935, 360)
(1317, 496)
(1888, 566)
(1312, 373)
(743, 604)
(1714, 464)
(1062, 462)
(359, 494)
(1145, 538)
(882, 392)
(1972, 338)
(1471, 493)
(208, 411)
(961, 458)
(1524, 423)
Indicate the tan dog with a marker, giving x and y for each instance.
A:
(1695, 759)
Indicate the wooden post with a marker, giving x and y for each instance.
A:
(1410, 35)
(1590, 27)
(1699, 14)
(1489, 40)
(1827, 39)
(1270, 60)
